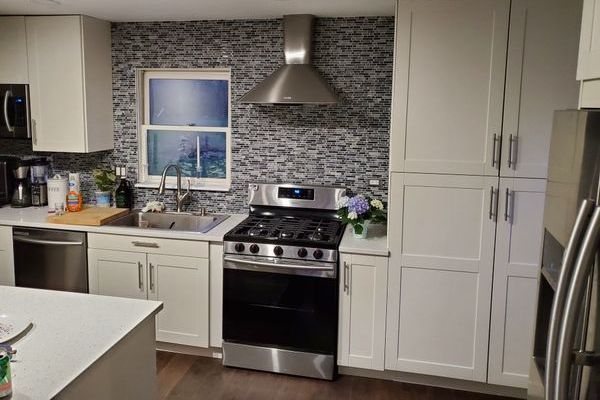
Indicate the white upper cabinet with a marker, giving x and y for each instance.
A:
(589, 43)
(13, 50)
(70, 80)
(540, 78)
(363, 294)
(518, 261)
(448, 95)
(440, 274)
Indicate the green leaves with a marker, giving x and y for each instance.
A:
(104, 179)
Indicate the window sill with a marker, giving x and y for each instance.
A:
(173, 186)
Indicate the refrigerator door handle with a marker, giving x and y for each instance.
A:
(581, 222)
(575, 295)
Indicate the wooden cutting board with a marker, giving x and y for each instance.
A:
(94, 216)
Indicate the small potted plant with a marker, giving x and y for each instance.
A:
(105, 180)
(359, 211)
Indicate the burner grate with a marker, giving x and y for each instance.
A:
(314, 230)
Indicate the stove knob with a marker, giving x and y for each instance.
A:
(302, 252)
(278, 251)
(254, 248)
(239, 247)
(318, 254)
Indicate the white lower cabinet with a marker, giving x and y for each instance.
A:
(180, 282)
(441, 239)
(7, 268)
(363, 294)
(517, 264)
(117, 273)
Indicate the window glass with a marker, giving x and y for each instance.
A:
(191, 102)
(181, 147)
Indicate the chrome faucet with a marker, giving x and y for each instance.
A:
(180, 199)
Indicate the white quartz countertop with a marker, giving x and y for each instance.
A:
(70, 332)
(375, 244)
(36, 217)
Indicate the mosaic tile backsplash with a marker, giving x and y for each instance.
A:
(345, 144)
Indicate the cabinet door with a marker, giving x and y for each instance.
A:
(117, 273)
(54, 48)
(449, 67)
(541, 65)
(7, 267)
(363, 294)
(518, 257)
(181, 283)
(13, 48)
(589, 43)
(440, 274)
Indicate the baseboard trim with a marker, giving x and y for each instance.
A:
(437, 381)
(405, 377)
(212, 352)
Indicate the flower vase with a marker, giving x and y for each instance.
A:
(363, 234)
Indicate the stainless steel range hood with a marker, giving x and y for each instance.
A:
(297, 81)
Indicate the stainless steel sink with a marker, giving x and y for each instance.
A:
(180, 222)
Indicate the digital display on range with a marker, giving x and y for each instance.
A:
(296, 193)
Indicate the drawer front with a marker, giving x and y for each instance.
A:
(190, 248)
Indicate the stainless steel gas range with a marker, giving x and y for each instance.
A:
(280, 291)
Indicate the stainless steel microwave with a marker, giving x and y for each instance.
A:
(15, 122)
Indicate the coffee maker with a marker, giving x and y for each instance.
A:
(39, 182)
(22, 188)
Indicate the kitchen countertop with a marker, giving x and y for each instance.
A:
(48, 359)
(36, 217)
(375, 244)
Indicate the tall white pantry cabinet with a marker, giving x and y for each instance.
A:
(475, 86)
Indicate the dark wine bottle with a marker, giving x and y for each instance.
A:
(124, 194)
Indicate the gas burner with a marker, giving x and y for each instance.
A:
(258, 232)
(318, 236)
(286, 235)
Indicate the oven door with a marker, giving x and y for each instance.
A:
(275, 303)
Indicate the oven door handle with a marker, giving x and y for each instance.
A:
(277, 265)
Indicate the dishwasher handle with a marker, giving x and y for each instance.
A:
(47, 242)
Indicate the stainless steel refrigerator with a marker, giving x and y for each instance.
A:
(566, 351)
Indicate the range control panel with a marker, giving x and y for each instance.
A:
(296, 193)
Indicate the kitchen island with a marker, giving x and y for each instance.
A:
(82, 346)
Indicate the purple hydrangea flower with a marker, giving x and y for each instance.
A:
(358, 204)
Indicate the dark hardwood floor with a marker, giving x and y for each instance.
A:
(184, 377)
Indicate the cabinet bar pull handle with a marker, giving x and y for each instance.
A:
(506, 201)
(494, 146)
(511, 140)
(145, 244)
(151, 277)
(346, 285)
(491, 212)
(140, 277)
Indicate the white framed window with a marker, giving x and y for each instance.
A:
(184, 118)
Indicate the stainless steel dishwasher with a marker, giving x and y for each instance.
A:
(50, 259)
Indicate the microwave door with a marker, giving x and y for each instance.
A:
(6, 129)
(14, 113)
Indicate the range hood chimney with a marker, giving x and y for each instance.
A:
(297, 81)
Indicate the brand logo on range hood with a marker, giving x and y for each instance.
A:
(298, 78)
